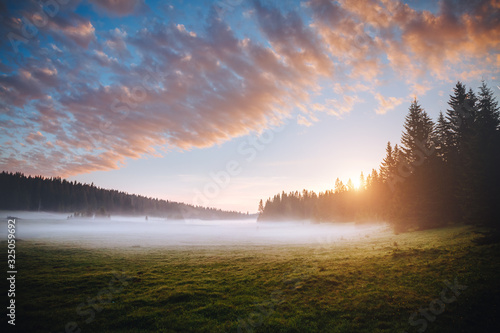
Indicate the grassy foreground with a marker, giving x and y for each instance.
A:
(373, 284)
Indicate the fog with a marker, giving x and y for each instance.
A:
(127, 231)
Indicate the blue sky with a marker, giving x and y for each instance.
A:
(222, 103)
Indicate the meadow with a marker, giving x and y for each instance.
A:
(441, 280)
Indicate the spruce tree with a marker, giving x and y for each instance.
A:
(462, 150)
(442, 138)
(485, 161)
(339, 186)
(386, 169)
(412, 204)
(455, 117)
(417, 138)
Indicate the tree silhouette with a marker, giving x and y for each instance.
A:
(417, 137)
(261, 207)
(20, 192)
(389, 166)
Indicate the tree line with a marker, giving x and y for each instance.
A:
(441, 172)
(37, 193)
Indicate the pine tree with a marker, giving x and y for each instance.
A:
(443, 139)
(488, 115)
(462, 150)
(411, 201)
(460, 119)
(388, 163)
(485, 160)
(417, 138)
(261, 207)
(375, 177)
(444, 180)
(350, 185)
(339, 186)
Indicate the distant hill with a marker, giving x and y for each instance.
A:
(20, 192)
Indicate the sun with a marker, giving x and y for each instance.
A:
(356, 183)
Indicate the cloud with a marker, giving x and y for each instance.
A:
(100, 97)
(118, 7)
(387, 104)
(367, 33)
(344, 106)
(420, 89)
(104, 59)
(293, 40)
(301, 120)
(82, 33)
(187, 91)
(34, 137)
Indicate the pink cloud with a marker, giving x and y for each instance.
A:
(341, 107)
(202, 91)
(301, 120)
(194, 89)
(364, 30)
(386, 104)
(71, 29)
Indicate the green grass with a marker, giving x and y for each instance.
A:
(372, 284)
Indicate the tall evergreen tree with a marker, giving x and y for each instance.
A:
(488, 115)
(362, 181)
(413, 199)
(460, 120)
(261, 207)
(443, 138)
(388, 163)
(350, 185)
(462, 150)
(485, 159)
(339, 186)
(417, 141)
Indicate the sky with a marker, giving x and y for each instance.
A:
(223, 103)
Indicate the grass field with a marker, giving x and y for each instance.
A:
(373, 284)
